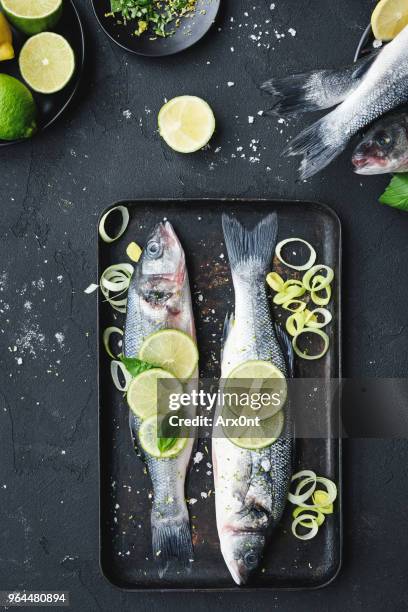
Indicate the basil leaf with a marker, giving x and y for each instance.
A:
(396, 194)
(165, 444)
(135, 366)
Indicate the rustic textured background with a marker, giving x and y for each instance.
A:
(106, 148)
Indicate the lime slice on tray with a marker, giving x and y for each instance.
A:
(149, 391)
(17, 109)
(257, 438)
(148, 441)
(389, 18)
(172, 350)
(186, 123)
(33, 16)
(47, 62)
(264, 385)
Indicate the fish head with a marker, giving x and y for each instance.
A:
(161, 273)
(242, 552)
(384, 148)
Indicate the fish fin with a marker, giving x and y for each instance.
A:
(171, 539)
(287, 349)
(228, 322)
(248, 246)
(318, 144)
(315, 90)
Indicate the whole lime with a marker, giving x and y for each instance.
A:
(17, 109)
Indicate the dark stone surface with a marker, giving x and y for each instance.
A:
(52, 190)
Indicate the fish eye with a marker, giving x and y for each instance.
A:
(383, 139)
(153, 249)
(251, 559)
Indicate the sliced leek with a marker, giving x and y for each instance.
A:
(312, 526)
(314, 322)
(106, 337)
(125, 222)
(323, 281)
(307, 356)
(117, 366)
(115, 280)
(275, 281)
(294, 305)
(307, 265)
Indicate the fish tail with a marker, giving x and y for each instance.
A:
(319, 144)
(250, 246)
(296, 94)
(315, 90)
(171, 539)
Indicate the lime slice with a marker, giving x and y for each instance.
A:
(17, 109)
(172, 350)
(33, 16)
(389, 18)
(148, 441)
(256, 438)
(47, 62)
(262, 383)
(186, 123)
(148, 392)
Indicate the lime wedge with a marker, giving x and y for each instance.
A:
(264, 385)
(47, 62)
(148, 441)
(172, 350)
(18, 111)
(33, 16)
(389, 18)
(257, 438)
(149, 392)
(186, 123)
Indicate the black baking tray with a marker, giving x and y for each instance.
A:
(125, 538)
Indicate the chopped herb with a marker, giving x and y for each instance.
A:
(153, 14)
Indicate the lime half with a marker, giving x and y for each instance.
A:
(148, 441)
(33, 16)
(257, 438)
(47, 62)
(186, 123)
(17, 109)
(255, 388)
(149, 392)
(172, 350)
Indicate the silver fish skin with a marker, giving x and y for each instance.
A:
(251, 487)
(316, 90)
(384, 148)
(158, 298)
(384, 87)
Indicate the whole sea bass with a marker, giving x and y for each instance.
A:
(383, 87)
(251, 487)
(159, 297)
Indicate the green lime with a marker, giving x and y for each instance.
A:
(17, 109)
(47, 62)
(148, 441)
(149, 391)
(255, 388)
(33, 16)
(257, 437)
(172, 350)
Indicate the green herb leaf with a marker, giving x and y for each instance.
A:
(396, 194)
(165, 444)
(135, 366)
